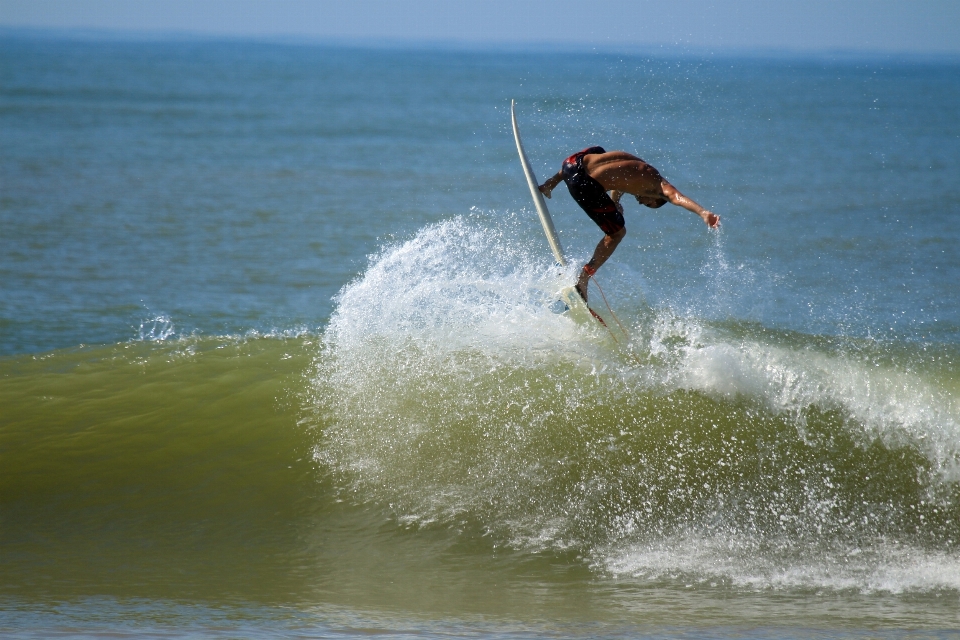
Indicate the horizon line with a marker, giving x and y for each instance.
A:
(672, 50)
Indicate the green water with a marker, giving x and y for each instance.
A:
(199, 471)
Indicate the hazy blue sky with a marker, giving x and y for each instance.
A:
(915, 26)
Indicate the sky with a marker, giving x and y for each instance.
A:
(924, 27)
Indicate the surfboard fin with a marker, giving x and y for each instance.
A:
(559, 306)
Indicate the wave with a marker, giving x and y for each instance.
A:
(445, 393)
(450, 392)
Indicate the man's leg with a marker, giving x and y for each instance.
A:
(603, 251)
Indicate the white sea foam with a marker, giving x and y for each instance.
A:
(457, 287)
(881, 567)
(898, 407)
(454, 393)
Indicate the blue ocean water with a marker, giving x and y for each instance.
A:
(234, 186)
(276, 358)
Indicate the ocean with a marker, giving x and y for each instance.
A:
(277, 357)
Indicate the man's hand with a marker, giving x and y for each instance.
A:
(547, 187)
(712, 219)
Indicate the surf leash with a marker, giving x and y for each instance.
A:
(609, 308)
(601, 321)
(614, 315)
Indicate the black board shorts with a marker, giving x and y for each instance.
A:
(590, 194)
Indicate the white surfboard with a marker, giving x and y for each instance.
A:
(538, 200)
(568, 296)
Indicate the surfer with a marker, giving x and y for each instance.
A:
(593, 172)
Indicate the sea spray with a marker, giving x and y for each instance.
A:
(453, 396)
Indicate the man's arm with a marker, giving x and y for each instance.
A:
(615, 196)
(547, 187)
(677, 198)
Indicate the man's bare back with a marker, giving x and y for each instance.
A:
(621, 171)
(616, 172)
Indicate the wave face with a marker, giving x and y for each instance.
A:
(165, 467)
(448, 445)
(704, 451)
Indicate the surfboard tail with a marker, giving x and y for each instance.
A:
(576, 307)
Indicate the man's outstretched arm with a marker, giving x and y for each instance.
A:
(677, 198)
(547, 187)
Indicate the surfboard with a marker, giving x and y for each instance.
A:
(567, 296)
(548, 229)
